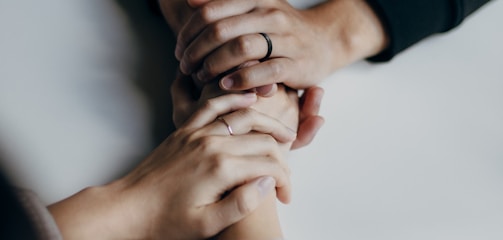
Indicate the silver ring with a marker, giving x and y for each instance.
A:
(229, 128)
(269, 46)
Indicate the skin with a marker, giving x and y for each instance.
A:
(263, 223)
(344, 31)
(199, 181)
(308, 45)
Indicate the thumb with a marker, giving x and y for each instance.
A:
(307, 131)
(239, 203)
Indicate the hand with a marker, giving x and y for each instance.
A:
(197, 182)
(307, 44)
(185, 100)
(223, 34)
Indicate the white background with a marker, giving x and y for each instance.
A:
(411, 149)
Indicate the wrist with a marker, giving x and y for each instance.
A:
(352, 30)
(263, 223)
(95, 213)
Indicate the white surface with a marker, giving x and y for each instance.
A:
(70, 115)
(411, 149)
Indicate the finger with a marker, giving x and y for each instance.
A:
(275, 70)
(238, 50)
(215, 107)
(267, 90)
(238, 204)
(212, 11)
(311, 101)
(255, 144)
(246, 120)
(230, 171)
(222, 31)
(307, 131)
(309, 122)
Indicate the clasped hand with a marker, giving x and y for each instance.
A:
(222, 35)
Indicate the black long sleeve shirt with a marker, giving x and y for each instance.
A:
(407, 22)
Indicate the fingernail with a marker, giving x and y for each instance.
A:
(265, 185)
(250, 95)
(178, 52)
(227, 83)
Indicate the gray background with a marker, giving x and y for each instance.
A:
(411, 149)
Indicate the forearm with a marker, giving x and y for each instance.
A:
(351, 29)
(101, 212)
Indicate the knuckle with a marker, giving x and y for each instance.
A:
(276, 69)
(245, 78)
(205, 144)
(207, 13)
(183, 135)
(243, 206)
(210, 67)
(219, 165)
(243, 46)
(220, 31)
(190, 55)
(209, 104)
(279, 17)
(189, 139)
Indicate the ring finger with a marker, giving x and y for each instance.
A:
(238, 51)
(222, 31)
(247, 120)
(275, 70)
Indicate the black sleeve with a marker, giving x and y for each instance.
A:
(14, 220)
(154, 6)
(407, 22)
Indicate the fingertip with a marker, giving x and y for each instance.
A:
(226, 83)
(183, 67)
(178, 52)
(284, 195)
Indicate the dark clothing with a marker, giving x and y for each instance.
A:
(24, 216)
(14, 220)
(408, 22)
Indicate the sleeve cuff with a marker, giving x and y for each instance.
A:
(407, 22)
(42, 220)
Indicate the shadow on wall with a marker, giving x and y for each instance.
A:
(156, 66)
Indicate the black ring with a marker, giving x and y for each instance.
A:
(269, 46)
